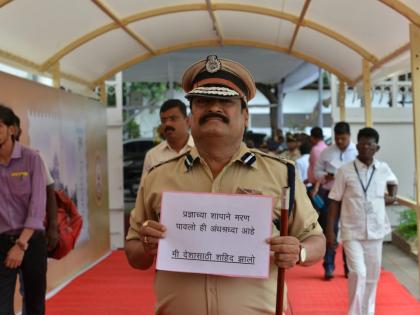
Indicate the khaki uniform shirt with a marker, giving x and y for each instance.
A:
(161, 153)
(291, 155)
(201, 294)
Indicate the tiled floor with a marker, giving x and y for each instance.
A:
(403, 267)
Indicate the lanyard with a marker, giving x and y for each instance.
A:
(360, 180)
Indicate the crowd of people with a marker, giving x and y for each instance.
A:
(349, 188)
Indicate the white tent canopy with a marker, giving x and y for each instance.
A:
(89, 41)
(265, 65)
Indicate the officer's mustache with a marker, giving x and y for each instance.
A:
(205, 117)
(169, 128)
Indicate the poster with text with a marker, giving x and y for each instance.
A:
(217, 234)
(67, 165)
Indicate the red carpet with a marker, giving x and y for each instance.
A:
(110, 288)
(114, 288)
(309, 294)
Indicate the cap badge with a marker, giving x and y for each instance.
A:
(213, 64)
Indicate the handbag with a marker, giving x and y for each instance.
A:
(69, 224)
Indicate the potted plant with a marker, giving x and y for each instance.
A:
(405, 234)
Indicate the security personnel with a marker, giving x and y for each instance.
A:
(293, 151)
(218, 91)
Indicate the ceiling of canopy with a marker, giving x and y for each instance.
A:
(89, 41)
(265, 65)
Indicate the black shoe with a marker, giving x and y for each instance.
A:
(346, 271)
(329, 274)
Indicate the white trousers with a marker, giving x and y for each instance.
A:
(364, 260)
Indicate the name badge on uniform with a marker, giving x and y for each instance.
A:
(368, 206)
(19, 174)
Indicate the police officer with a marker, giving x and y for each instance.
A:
(218, 91)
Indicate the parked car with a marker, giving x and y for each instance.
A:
(134, 153)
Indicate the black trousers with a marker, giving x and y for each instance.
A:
(329, 258)
(34, 269)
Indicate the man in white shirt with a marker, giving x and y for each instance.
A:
(360, 188)
(175, 125)
(302, 163)
(332, 158)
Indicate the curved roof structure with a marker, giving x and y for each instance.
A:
(89, 41)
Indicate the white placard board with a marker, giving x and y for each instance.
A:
(215, 234)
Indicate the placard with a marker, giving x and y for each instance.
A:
(215, 234)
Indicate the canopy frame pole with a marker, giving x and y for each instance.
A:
(415, 75)
(367, 97)
(342, 100)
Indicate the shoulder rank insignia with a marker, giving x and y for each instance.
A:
(248, 158)
(188, 162)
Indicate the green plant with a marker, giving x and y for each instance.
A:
(111, 97)
(408, 224)
(154, 92)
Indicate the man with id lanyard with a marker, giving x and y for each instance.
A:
(360, 188)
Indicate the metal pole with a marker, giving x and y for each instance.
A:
(415, 75)
(171, 92)
(320, 92)
(367, 97)
(280, 116)
(342, 100)
(284, 218)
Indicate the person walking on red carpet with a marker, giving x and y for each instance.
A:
(218, 91)
(359, 187)
(332, 158)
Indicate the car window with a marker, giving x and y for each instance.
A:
(140, 146)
